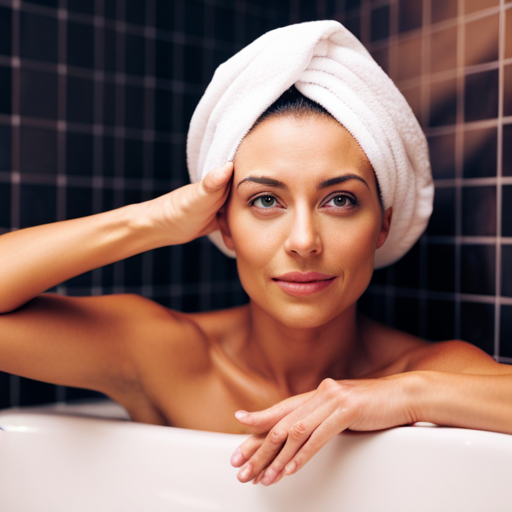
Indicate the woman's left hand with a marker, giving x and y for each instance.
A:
(289, 433)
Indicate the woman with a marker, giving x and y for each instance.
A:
(301, 208)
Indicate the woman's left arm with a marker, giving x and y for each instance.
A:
(453, 384)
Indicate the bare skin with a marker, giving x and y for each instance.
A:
(310, 365)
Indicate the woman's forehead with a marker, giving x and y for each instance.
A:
(313, 149)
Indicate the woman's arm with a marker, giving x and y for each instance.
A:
(35, 259)
(452, 384)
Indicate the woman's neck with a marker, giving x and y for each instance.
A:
(296, 360)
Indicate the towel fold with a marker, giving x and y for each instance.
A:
(329, 65)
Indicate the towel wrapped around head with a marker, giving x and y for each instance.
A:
(329, 65)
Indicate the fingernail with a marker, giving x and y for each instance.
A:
(244, 474)
(241, 415)
(237, 458)
(270, 474)
(290, 468)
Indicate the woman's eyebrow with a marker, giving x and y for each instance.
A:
(270, 182)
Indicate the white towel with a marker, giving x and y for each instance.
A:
(329, 65)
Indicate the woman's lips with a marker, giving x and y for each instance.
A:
(299, 284)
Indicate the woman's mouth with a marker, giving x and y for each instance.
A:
(299, 284)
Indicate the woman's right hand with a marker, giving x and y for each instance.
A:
(190, 211)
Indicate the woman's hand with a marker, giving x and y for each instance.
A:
(289, 433)
(190, 211)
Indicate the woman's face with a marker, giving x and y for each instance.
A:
(303, 199)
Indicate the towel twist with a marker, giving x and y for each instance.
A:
(329, 65)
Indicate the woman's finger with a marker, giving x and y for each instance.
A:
(263, 421)
(246, 450)
(298, 434)
(217, 178)
(332, 426)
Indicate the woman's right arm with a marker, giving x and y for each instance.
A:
(35, 259)
(98, 342)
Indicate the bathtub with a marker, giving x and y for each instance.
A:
(88, 457)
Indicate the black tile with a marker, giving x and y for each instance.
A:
(373, 306)
(164, 59)
(506, 211)
(194, 17)
(380, 276)
(193, 64)
(255, 27)
(409, 14)
(5, 205)
(162, 160)
(353, 23)
(480, 153)
(132, 196)
(191, 270)
(109, 155)
(38, 94)
(380, 23)
(80, 45)
(506, 331)
(83, 6)
(307, 10)
(190, 303)
(507, 150)
(407, 269)
(507, 91)
(76, 285)
(443, 102)
(225, 23)
(220, 300)
(407, 315)
(477, 325)
(479, 211)
(506, 270)
(110, 9)
(109, 103)
(46, 3)
(162, 265)
(478, 266)
(80, 104)
(110, 50)
(440, 320)
(351, 5)
(38, 37)
(165, 14)
(5, 30)
(133, 271)
(5, 90)
(441, 268)
(442, 221)
(164, 110)
(78, 202)
(134, 158)
(79, 154)
(443, 10)
(5, 148)
(135, 12)
(38, 151)
(135, 55)
(37, 204)
(481, 96)
(134, 107)
(5, 398)
(33, 392)
(222, 265)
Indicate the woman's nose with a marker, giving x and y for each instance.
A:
(304, 238)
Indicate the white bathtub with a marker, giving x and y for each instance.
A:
(55, 459)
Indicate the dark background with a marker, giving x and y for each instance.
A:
(95, 102)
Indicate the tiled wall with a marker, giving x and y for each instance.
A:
(95, 101)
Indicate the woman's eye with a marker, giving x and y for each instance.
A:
(340, 201)
(264, 202)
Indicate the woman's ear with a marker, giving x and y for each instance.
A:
(224, 228)
(386, 225)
